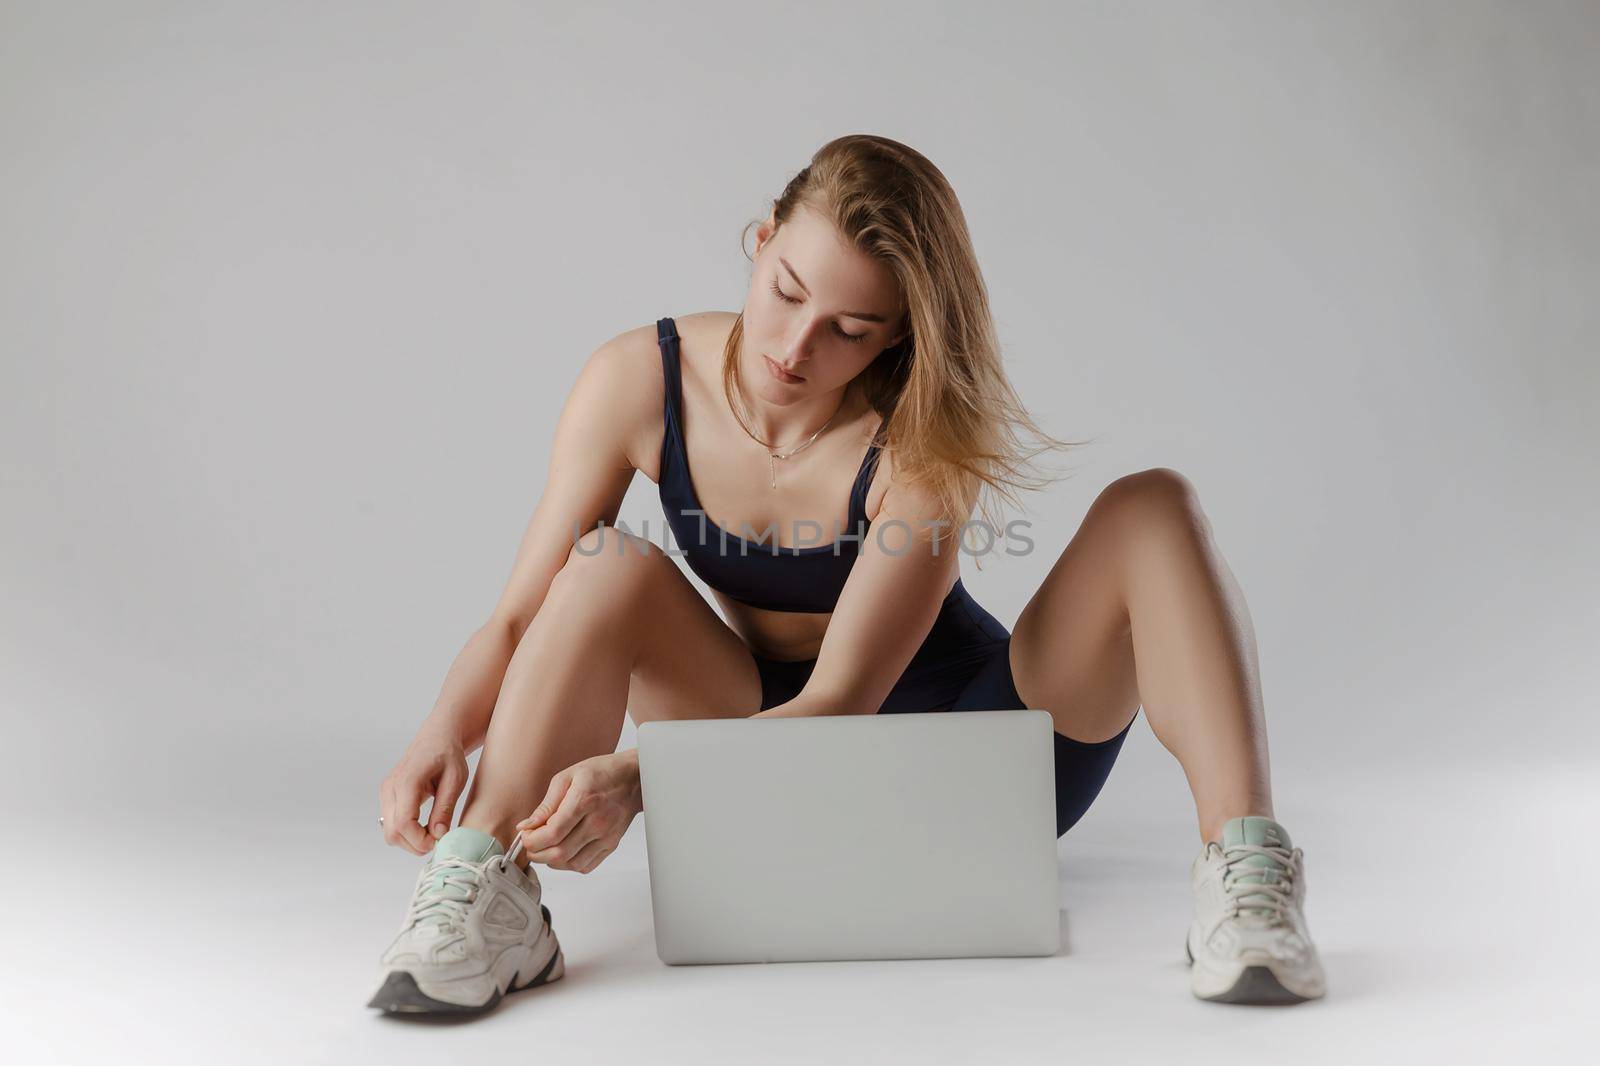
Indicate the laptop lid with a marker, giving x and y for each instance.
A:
(896, 836)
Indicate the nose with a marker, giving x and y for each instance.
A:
(797, 352)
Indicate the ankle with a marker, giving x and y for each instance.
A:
(1211, 825)
(502, 827)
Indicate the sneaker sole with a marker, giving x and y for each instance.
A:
(400, 994)
(1256, 986)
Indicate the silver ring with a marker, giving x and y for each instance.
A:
(380, 819)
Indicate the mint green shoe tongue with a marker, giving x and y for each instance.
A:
(473, 845)
(1266, 833)
(470, 845)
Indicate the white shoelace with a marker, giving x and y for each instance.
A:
(1276, 885)
(433, 903)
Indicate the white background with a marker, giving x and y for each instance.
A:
(290, 295)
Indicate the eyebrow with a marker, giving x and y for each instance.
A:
(865, 316)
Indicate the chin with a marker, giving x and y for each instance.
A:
(774, 392)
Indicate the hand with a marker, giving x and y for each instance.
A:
(585, 812)
(434, 766)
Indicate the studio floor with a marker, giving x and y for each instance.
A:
(1453, 919)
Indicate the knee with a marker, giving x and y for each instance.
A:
(609, 561)
(1159, 499)
(1158, 483)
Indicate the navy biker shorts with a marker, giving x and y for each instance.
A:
(964, 665)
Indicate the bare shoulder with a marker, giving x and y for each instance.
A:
(622, 380)
(893, 497)
(703, 334)
(624, 374)
(897, 497)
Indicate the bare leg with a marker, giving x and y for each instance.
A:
(610, 623)
(1142, 608)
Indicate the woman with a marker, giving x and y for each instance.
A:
(865, 349)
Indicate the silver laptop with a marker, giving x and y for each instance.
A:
(895, 836)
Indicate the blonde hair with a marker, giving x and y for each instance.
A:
(950, 416)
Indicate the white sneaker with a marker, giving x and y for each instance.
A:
(1248, 942)
(476, 929)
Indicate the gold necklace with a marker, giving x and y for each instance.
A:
(773, 456)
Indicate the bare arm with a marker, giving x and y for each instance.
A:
(589, 473)
(884, 613)
(588, 477)
(472, 686)
(886, 610)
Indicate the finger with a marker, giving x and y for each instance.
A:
(557, 830)
(589, 856)
(559, 854)
(390, 825)
(560, 786)
(444, 801)
(385, 792)
(410, 830)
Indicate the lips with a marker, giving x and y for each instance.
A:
(780, 373)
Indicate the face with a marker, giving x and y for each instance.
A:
(818, 311)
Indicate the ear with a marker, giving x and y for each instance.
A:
(765, 231)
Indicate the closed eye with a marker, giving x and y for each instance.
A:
(853, 338)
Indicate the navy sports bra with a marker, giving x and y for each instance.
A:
(759, 573)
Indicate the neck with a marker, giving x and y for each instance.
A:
(786, 426)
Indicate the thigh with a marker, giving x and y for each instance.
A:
(687, 662)
(965, 665)
(1081, 768)
(1072, 648)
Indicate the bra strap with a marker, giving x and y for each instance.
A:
(671, 372)
(858, 491)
